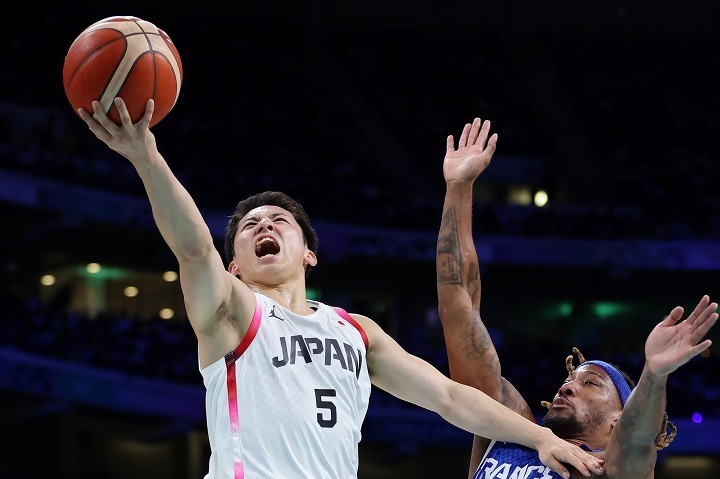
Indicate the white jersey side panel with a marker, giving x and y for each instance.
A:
(291, 399)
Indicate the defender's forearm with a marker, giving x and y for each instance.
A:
(643, 414)
(455, 249)
(471, 354)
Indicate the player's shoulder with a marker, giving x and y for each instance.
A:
(364, 320)
(364, 325)
(371, 328)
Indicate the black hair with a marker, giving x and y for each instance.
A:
(272, 198)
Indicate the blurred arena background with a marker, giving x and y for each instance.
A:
(599, 213)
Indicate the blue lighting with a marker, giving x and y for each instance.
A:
(697, 418)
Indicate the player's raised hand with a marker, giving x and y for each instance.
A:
(131, 140)
(473, 153)
(673, 342)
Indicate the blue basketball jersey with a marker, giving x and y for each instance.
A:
(511, 461)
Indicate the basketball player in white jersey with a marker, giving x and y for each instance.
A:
(287, 379)
(596, 406)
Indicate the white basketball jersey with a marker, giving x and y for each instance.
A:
(290, 400)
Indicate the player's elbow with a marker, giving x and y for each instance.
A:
(636, 460)
(446, 403)
(619, 471)
(454, 309)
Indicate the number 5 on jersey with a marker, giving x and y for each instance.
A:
(322, 403)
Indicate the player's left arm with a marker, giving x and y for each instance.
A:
(414, 380)
(631, 451)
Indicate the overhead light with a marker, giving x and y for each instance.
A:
(131, 291)
(47, 280)
(519, 195)
(93, 268)
(170, 276)
(166, 313)
(541, 198)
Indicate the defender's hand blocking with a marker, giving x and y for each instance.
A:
(132, 141)
(473, 153)
(673, 343)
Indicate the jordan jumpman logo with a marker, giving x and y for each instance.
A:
(273, 315)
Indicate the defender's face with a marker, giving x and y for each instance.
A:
(587, 399)
(269, 247)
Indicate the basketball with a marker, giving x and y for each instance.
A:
(123, 57)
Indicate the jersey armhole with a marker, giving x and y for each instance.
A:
(233, 355)
(352, 321)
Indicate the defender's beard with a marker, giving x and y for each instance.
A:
(565, 427)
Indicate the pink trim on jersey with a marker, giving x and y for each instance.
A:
(352, 321)
(230, 359)
(232, 356)
(234, 423)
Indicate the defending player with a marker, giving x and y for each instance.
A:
(594, 407)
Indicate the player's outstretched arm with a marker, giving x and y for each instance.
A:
(207, 287)
(414, 380)
(631, 451)
(472, 357)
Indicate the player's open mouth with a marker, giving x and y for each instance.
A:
(267, 246)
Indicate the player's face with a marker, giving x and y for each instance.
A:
(269, 246)
(585, 402)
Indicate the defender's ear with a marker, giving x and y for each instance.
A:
(615, 417)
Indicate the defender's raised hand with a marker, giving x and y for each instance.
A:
(673, 342)
(473, 153)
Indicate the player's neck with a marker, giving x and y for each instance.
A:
(290, 296)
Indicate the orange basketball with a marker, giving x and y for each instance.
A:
(126, 57)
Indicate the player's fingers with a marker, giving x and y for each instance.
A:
(582, 462)
(703, 326)
(673, 317)
(147, 116)
(85, 116)
(699, 348)
(101, 117)
(464, 136)
(482, 137)
(492, 145)
(701, 306)
(699, 318)
(586, 464)
(557, 466)
(593, 464)
(125, 119)
(474, 130)
(450, 146)
(97, 129)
